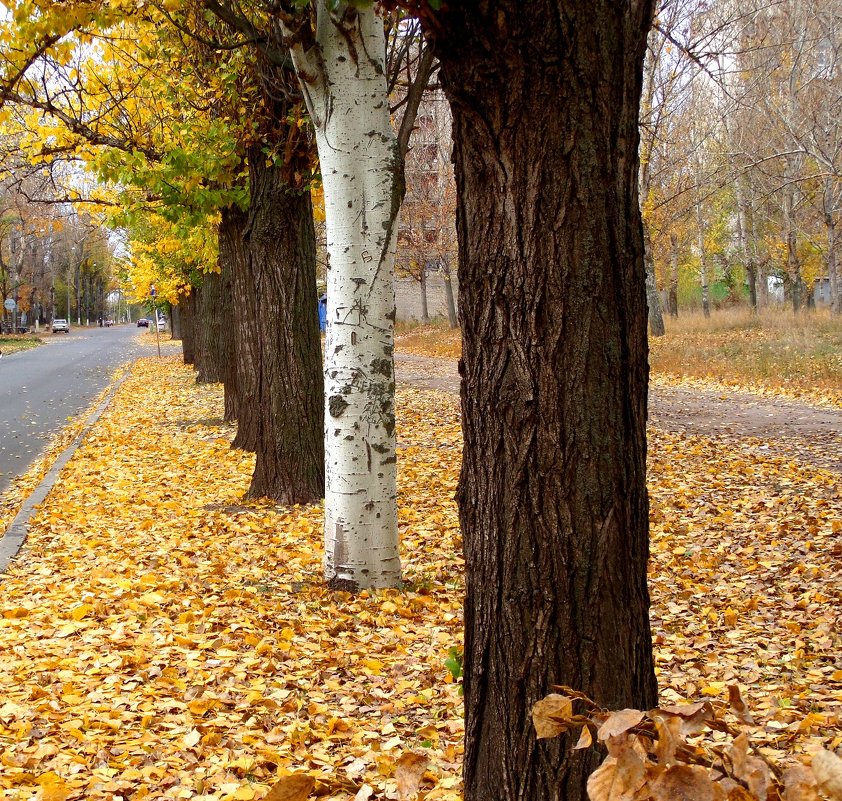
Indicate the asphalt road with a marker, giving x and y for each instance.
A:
(43, 387)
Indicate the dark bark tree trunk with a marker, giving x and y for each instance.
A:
(281, 246)
(175, 321)
(751, 277)
(552, 495)
(247, 314)
(214, 330)
(199, 341)
(231, 254)
(187, 316)
(208, 323)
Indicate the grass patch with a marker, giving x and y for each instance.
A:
(435, 338)
(778, 350)
(14, 342)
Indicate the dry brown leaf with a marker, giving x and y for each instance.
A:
(617, 778)
(585, 739)
(685, 783)
(364, 793)
(738, 706)
(620, 722)
(551, 715)
(409, 770)
(749, 769)
(739, 793)
(669, 738)
(684, 710)
(827, 768)
(799, 784)
(295, 787)
(694, 717)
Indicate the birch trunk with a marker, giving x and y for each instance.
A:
(742, 238)
(673, 291)
(832, 268)
(344, 81)
(452, 317)
(425, 307)
(703, 267)
(793, 268)
(653, 300)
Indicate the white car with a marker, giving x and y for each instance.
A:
(162, 323)
(60, 325)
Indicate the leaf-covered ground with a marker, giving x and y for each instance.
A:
(15, 342)
(162, 638)
(774, 353)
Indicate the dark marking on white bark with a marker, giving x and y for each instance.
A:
(382, 367)
(337, 405)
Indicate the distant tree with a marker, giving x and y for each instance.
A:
(427, 236)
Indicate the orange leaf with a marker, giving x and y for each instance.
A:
(296, 787)
(551, 715)
(585, 739)
(738, 706)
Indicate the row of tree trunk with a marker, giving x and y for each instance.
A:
(252, 326)
(552, 496)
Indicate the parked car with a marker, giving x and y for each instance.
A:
(143, 323)
(60, 325)
(162, 324)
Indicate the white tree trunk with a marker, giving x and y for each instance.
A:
(344, 80)
(703, 265)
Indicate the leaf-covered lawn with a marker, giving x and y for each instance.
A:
(771, 353)
(16, 342)
(161, 638)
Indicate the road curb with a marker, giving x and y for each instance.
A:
(15, 535)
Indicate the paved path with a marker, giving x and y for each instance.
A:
(41, 388)
(787, 428)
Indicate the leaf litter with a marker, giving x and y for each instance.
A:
(160, 637)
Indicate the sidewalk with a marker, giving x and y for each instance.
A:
(161, 638)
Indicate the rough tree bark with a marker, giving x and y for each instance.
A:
(552, 495)
(281, 246)
(187, 316)
(208, 330)
(829, 198)
(247, 338)
(425, 306)
(175, 321)
(199, 339)
(230, 236)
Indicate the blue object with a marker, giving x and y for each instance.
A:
(323, 313)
